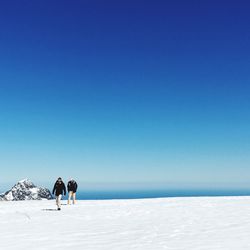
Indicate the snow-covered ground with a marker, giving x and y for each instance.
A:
(147, 224)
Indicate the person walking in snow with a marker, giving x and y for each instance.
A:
(59, 189)
(72, 188)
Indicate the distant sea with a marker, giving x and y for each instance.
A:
(144, 194)
(107, 195)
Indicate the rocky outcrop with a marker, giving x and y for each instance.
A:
(26, 190)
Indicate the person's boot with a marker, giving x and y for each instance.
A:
(59, 208)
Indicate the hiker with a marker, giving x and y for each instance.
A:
(72, 187)
(59, 189)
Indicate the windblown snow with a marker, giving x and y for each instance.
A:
(148, 224)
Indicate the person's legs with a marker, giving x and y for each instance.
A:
(74, 198)
(70, 195)
(58, 201)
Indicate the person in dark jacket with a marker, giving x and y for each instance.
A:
(72, 188)
(59, 189)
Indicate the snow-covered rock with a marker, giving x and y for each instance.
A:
(26, 190)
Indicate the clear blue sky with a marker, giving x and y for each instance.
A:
(148, 94)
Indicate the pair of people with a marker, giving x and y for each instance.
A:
(60, 189)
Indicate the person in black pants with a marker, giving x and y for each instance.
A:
(72, 188)
(59, 189)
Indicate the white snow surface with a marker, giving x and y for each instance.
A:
(147, 224)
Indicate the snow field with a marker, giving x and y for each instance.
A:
(148, 224)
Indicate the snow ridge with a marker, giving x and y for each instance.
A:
(26, 190)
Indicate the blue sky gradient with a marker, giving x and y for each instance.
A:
(132, 94)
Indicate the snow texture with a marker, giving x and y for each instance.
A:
(147, 224)
(26, 190)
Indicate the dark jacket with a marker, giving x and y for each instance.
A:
(72, 186)
(59, 188)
